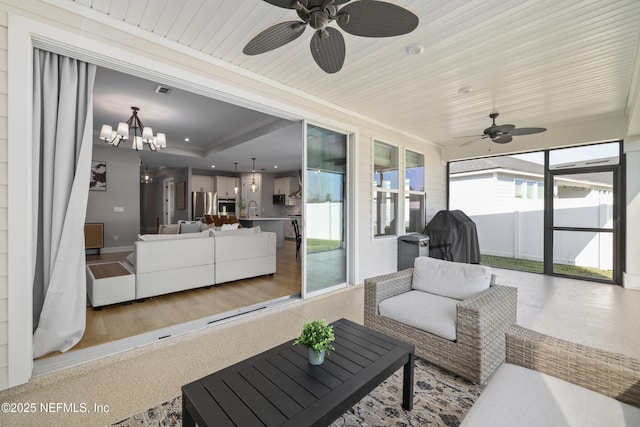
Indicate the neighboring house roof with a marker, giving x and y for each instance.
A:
(500, 162)
(513, 164)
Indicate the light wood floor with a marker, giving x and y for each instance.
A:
(121, 320)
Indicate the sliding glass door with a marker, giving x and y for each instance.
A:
(325, 209)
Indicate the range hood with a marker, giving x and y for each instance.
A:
(298, 192)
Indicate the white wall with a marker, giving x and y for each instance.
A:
(632, 271)
(4, 227)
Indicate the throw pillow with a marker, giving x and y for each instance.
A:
(193, 227)
(150, 237)
(450, 279)
(169, 229)
(229, 226)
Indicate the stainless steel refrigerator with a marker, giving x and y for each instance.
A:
(203, 203)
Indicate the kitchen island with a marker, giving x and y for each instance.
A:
(272, 224)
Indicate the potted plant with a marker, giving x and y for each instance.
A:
(241, 206)
(317, 336)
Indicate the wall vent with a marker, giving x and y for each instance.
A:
(163, 89)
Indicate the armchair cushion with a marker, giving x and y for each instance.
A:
(429, 312)
(450, 279)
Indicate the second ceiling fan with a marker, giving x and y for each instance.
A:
(503, 134)
(366, 18)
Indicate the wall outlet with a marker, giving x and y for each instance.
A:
(115, 238)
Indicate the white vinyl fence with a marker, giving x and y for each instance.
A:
(515, 229)
(323, 220)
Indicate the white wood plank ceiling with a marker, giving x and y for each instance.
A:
(539, 63)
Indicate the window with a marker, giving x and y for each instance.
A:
(414, 196)
(519, 188)
(385, 189)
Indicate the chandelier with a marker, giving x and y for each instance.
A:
(141, 135)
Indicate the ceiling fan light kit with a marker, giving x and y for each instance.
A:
(502, 134)
(365, 18)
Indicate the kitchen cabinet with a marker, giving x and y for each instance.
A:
(202, 183)
(286, 186)
(224, 187)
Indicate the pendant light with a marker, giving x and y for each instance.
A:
(253, 187)
(145, 176)
(235, 180)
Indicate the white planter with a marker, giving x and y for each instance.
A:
(314, 359)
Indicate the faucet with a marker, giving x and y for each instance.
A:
(254, 206)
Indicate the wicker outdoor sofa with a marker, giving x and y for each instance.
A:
(548, 381)
(481, 322)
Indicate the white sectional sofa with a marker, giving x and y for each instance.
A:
(173, 263)
(166, 263)
(240, 254)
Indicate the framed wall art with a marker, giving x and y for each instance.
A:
(98, 180)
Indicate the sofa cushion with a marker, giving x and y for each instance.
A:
(245, 230)
(231, 246)
(517, 396)
(149, 237)
(429, 312)
(450, 279)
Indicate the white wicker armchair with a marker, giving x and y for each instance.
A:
(481, 322)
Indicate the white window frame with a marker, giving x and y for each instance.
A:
(409, 192)
(397, 191)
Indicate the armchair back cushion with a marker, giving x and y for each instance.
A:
(450, 279)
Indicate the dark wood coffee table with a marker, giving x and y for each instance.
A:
(280, 388)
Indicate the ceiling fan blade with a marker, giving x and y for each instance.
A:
(373, 18)
(274, 37)
(339, 2)
(473, 140)
(469, 136)
(502, 139)
(287, 4)
(328, 49)
(526, 131)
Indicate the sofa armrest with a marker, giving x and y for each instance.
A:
(612, 374)
(388, 285)
(486, 316)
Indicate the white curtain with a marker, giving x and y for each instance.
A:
(63, 137)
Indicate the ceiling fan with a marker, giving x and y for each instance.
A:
(504, 133)
(366, 18)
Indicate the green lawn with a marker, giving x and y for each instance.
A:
(537, 267)
(319, 245)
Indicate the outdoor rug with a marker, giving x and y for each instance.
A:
(440, 399)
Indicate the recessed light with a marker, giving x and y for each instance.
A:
(213, 166)
(465, 90)
(186, 140)
(275, 167)
(415, 49)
